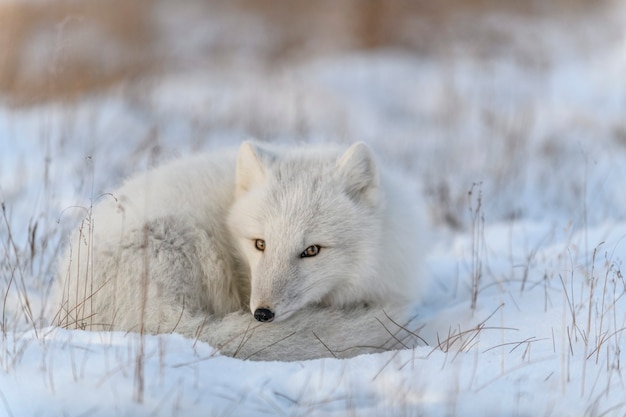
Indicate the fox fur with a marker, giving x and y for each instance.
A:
(321, 241)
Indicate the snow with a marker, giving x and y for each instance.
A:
(541, 147)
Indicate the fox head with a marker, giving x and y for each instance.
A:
(305, 221)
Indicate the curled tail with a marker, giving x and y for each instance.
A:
(315, 332)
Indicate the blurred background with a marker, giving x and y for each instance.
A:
(59, 50)
(525, 97)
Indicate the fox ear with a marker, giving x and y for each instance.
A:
(358, 170)
(251, 167)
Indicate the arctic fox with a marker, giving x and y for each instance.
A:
(318, 241)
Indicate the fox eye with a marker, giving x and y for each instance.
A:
(312, 250)
(259, 244)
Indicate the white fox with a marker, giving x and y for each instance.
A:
(317, 241)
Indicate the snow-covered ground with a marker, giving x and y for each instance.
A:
(523, 168)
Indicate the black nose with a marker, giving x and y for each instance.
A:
(263, 314)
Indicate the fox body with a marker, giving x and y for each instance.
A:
(319, 241)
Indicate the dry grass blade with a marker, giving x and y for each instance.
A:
(22, 292)
(325, 345)
(478, 230)
(270, 345)
(406, 329)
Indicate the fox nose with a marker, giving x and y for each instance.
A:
(264, 315)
